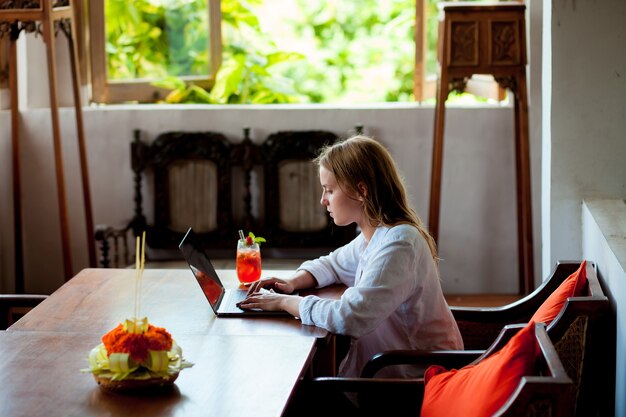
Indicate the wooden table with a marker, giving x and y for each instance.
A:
(40, 375)
(97, 300)
(243, 366)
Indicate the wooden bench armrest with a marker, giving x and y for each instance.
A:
(420, 359)
(375, 396)
(480, 326)
(13, 306)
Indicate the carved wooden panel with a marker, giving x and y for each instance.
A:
(191, 170)
(509, 83)
(21, 4)
(300, 189)
(285, 154)
(30, 4)
(193, 196)
(463, 43)
(505, 42)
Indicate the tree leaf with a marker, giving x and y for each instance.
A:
(280, 56)
(228, 79)
(172, 82)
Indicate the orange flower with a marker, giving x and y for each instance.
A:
(158, 338)
(137, 345)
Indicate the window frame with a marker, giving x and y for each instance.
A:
(140, 90)
(105, 91)
(424, 87)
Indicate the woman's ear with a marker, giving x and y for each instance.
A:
(362, 188)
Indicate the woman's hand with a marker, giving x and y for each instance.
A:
(300, 280)
(271, 301)
(279, 285)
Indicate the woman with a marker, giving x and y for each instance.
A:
(394, 299)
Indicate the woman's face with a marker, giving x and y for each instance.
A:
(343, 209)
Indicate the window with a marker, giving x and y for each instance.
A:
(352, 51)
(312, 51)
(134, 43)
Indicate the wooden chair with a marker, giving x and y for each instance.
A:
(547, 392)
(578, 334)
(14, 306)
(191, 182)
(193, 186)
(298, 221)
(480, 326)
(116, 246)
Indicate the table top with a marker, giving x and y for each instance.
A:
(97, 300)
(40, 375)
(247, 366)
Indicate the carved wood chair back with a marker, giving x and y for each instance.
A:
(293, 215)
(192, 188)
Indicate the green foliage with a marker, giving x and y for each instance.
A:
(256, 239)
(251, 61)
(246, 77)
(145, 39)
(182, 92)
(364, 50)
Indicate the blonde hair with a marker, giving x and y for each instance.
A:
(361, 161)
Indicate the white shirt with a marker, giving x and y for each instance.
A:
(393, 300)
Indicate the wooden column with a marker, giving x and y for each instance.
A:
(487, 39)
(72, 34)
(52, 15)
(15, 157)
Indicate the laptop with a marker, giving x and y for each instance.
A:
(222, 300)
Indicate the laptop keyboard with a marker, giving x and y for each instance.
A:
(239, 295)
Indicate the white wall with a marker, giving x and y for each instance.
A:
(587, 117)
(585, 121)
(604, 241)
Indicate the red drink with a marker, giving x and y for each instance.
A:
(248, 263)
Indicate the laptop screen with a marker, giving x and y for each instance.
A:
(202, 269)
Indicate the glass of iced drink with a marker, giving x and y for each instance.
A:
(248, 261)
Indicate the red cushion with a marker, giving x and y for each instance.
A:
(573, 286)
(481, 389)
